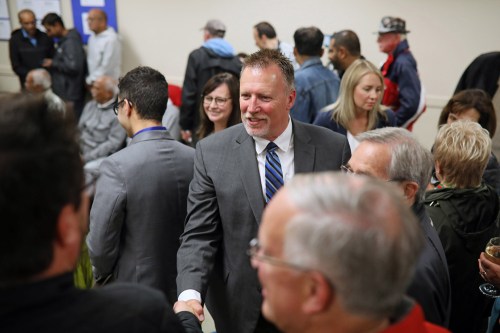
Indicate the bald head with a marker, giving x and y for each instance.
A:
(27, 20)
(97, 20)
(104, 89)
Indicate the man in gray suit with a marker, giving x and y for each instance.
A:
(140, 202)
(230, 189)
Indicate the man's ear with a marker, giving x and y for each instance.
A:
(68, 226)
(295, 53)
(321, 52)
(342, 52)
(320, 294)
(410, 189)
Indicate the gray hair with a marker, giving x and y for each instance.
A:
(409, 159)
(41, 78)
(359, 233)
(109, 84)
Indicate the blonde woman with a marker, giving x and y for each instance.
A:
(358, 108)
(464, 212)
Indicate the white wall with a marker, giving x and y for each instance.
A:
(445, 35)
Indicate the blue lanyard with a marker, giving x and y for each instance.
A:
(147, 129)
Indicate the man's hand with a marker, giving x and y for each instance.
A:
(187, 136)
(192, 306)
(489, 271)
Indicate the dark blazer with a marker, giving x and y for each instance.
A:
(139, 210)
(225, 206)
(24, 56)
(54, 305)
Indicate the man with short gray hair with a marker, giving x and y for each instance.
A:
(335, 253)
(101, 133)
(394, 155)
(38, 81)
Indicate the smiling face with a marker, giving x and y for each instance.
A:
(218, 105)
(367, 92)
(265, 101)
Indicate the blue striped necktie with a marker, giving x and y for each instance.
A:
(274, 175)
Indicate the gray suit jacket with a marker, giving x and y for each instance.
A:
(139, 210)
(225, 206)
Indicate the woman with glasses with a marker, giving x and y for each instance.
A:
(220, 106)
(358, 108)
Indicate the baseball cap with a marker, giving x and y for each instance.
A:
(214, 26)
(392, 24)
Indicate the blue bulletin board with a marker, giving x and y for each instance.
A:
(80, 12)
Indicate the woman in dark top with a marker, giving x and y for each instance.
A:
(358, 108)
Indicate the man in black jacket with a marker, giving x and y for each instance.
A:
(215, 56)
(68, 67)
(44, 219)
(394, 155)
(28, 46)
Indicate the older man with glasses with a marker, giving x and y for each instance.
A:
(335, 254)
(393, 154)
(100, 132)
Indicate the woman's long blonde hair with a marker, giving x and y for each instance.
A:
(344, 109)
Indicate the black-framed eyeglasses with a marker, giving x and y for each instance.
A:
(219, 101)
(254, 250)
(117, 104)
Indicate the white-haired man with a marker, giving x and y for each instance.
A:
(335, 254)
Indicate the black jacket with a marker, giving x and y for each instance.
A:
(55, 305)
(203, 63)
(69, 68)
(24, 56)
(430, 285)
(465, 220)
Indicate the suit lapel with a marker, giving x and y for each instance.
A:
(304, 151)
(249, 174)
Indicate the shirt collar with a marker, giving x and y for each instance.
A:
(107, 105)
(283, 141)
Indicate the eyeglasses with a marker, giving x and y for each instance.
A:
(347, 169)
(116, 105)
(253, 252)
(219, 101)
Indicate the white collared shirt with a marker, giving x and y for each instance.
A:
(284, 152)
(286, 155)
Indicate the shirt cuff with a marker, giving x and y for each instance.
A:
(189, 294)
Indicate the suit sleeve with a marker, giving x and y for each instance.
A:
(189, 89)
(202, 233)
(106, 219)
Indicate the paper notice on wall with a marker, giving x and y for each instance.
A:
(40, 7)
(4, 10)
(5, 29)
(92, 3)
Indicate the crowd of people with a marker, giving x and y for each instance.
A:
(283, 195)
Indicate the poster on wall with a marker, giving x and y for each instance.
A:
(80, 13)
(40, 8)
(5, 28)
